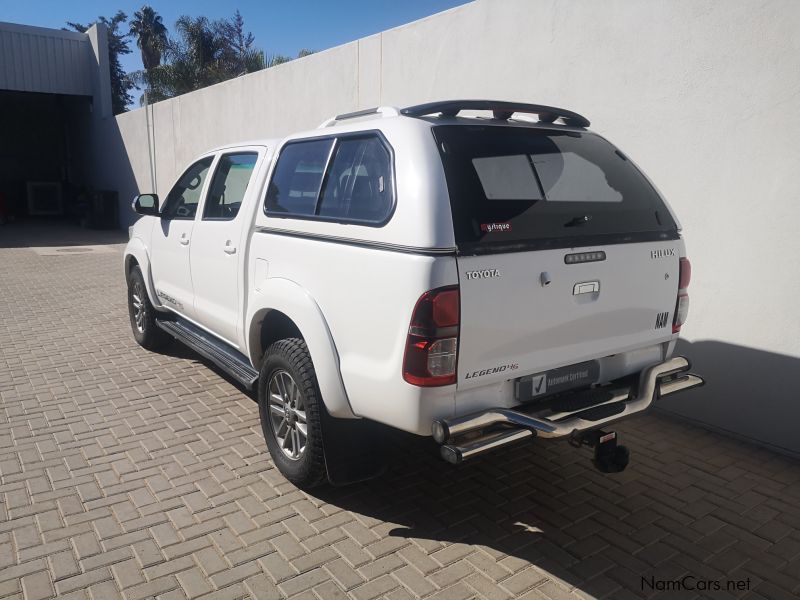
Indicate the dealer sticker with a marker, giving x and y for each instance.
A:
(557, 380)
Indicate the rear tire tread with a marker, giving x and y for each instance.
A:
(309, 471)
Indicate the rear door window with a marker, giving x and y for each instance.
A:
(359, 184)
(229, 185)
(516, 188)
(297, 180)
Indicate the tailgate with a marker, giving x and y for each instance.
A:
(514, 323)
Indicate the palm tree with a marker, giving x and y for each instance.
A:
(198, 54)
(198, 42)
(151, 36)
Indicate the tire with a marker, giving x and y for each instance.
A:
(142, 314)
(287, 372)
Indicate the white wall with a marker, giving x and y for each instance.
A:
(702, 94)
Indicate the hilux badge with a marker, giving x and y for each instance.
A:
(662, 253)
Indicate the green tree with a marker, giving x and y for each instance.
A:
(279, 59)
(238, 52)
(202, 53)
(121, 85)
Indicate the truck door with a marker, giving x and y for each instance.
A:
(172, 240)
(218, 250)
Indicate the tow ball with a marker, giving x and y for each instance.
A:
(609, 457)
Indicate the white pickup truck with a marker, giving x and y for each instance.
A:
(476, 271)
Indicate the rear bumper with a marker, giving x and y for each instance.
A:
(470, 435)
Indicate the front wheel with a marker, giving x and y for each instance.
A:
(142, 314)
(291, 412)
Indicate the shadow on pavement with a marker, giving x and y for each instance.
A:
(38, 233)
(751, 393)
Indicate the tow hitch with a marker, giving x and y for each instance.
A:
(608, 456)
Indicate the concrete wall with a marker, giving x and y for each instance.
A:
(703, 95)
(100, 68)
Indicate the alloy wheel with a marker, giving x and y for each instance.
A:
(137, 300)
(287, 414)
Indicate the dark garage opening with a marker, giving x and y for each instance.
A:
(43, 161)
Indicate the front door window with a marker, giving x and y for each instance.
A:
(184, 197)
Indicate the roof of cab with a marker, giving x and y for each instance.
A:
(266, 142)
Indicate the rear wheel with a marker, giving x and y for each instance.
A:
(291, 412)
(142, 314)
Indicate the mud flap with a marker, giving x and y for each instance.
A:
(354, 450)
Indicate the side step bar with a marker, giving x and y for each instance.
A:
(230, 360)
(655, 382)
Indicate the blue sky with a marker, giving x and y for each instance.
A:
(279, 27)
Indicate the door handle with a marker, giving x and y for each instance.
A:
(184, 240)
(228, 249)
(586, 287)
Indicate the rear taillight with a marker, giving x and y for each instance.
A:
(682, 305)
(432, 343)
(685, 273)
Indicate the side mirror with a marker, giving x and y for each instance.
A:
(146, 204)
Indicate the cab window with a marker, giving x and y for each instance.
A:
(184, 196)
(229, 185)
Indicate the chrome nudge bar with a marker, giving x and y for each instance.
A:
(617, 403)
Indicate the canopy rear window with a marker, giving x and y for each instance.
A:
(518, 188)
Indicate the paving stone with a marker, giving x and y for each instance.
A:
(235, 575)
(278, 568)
(261, 588)
(345, 575)
(86, 545)
(194, 583)
(37, 586)
(82, 581)
(105, 590)
(151, 588)
(128, 573)
(62, 565)
(375, 588)
(302, 582)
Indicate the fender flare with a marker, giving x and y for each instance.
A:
(138, 251)
(295, 302)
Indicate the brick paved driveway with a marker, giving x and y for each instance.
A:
(126, 473)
